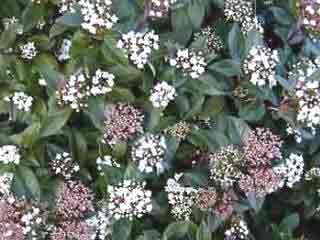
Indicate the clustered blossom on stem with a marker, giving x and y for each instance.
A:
(295, 132)
(101, 83)
(20, 219)
(9, 154)
(310, 13)
(76, 90)
(212, 39)
(243, 12)
(238, 230)
(181, 199)
(97, 15)
(67, 6)
(79, 230)
(28, 50)
(122, 123)
(262, 147)
(138, 46)
(73, 92)
(74, 200)
(224, 166)
(312, 174)
(63, 165)
(106, 161)
(307, 92)
(291, 170)
(64, 51)
(261, 181)
(160, 8)
(129, 199)
(148, 153)
(22, 101)
(8, 22)
(260, 65)
(5, 183)
(191, 63)
(162, 94)
(180, 130)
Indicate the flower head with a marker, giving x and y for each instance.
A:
(22, 101)
(129, 199)
(149, 153)
(9, 154)
(238, 230)
(160, 8)
(191, 63)
(64, 51)
(73, 200)
(212, 40)
(28, 50)
(262, 147)
(260, 65)
(162, 94)
(122, 123)
(138, 46)
(179, 130)
(310, 13)
(64, 166)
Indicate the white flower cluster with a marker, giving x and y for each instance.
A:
(8, 22)
(30, 220)
(74, 92)
(67, 6)
(22, 101)
(213, 42)
(291, 170)
(181, 199)
(106, 161)
(102, 83)
(162, 94)
(149, 153)
(64, 51)
(260, 65)
(310, 11)
(307, 92)
(295, 132)
(160, 8)
(63, 165)
(138, 46)
(102, 222)
(129, 199)
(97, 15)
(191, 63)
(9, 154)
(238, 231)
(5, 183)
(243, 12)
(28, 50)
(312, 174)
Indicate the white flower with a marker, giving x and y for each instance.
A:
(22, 101)
(162, 94)
(138, 46)
(160, 8)
(191, 63)
(64, 166)
(97, 15)
(101, 83)
(28, 50)
(64, 51)
(149, 152)
(42, 82)
(181, 199)
(9, 154)
(238, 230)
(5, 183)
(129, 199)
(291, 170)
(106, 161)
(260, 65)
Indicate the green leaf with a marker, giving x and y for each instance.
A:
(281, 16)
(25, 183)
(204, 233)
(121, 229)
(176, 230)
(236, 43)
(227, 67)
(8, 37)
(255, 202)
(181, 25)
(54, 122)
(252, 112)
(290, 222)
(196, 12)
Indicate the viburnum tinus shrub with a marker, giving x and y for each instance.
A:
(159, 119)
